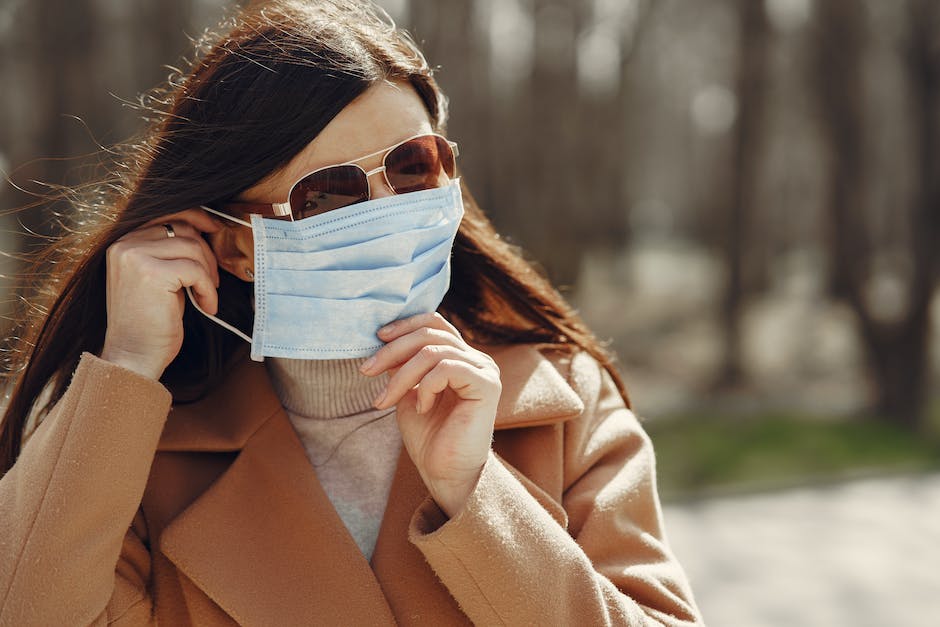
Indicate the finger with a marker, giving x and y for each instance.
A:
(403, 348)
(464, 379)
(155, 232)
(433, 320)
(180, 248)
(198, 218)
(412, 371)
(187, 231)
(154, 263)
(182, 273)
(182, 231)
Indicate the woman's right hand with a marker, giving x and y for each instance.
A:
(147, 271)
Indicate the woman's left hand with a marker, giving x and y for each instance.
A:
(446, 394)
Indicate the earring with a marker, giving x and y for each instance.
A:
(249, 273)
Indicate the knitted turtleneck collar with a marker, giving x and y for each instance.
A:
(324, 389)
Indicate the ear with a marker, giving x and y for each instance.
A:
(234, 250)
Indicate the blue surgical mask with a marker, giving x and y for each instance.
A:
(324, 285)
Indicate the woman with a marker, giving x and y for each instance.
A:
(480, 465)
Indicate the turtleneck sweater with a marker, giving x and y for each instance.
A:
(352, 446)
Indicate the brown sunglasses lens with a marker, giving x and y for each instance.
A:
(421, 163)
(328, 189)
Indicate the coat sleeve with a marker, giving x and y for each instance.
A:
(603, 561)
(72, 540)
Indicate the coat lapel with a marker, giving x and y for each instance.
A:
(227, 417)
(534, 391)
(413, 591)
(265, 543)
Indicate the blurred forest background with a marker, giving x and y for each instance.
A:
(742, 196)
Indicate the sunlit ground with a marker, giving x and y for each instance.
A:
(860, 553)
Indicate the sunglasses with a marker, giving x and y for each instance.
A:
(417, 163)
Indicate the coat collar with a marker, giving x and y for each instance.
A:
(264, 541)
(534, 393)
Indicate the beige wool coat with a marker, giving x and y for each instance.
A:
(122, 510)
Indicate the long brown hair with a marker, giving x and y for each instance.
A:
(254, 98)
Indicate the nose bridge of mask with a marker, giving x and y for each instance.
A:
(364, 222)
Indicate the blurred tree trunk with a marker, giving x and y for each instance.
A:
(66, 59)
(509, 162)
(753, 33)
(603, 147)
(554, 137)
(839, 44)
(896, 347)
(446, 31)
(905, 363)
(160, 28)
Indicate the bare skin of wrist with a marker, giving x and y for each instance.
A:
(452, 500)
(132, 361)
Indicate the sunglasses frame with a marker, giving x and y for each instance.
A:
(283, 209)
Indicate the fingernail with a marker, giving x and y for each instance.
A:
(388, 327)
(380, 398)
(367, 366)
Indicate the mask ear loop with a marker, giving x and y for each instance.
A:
(226, 216)
(221, 323)
(189, 291)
